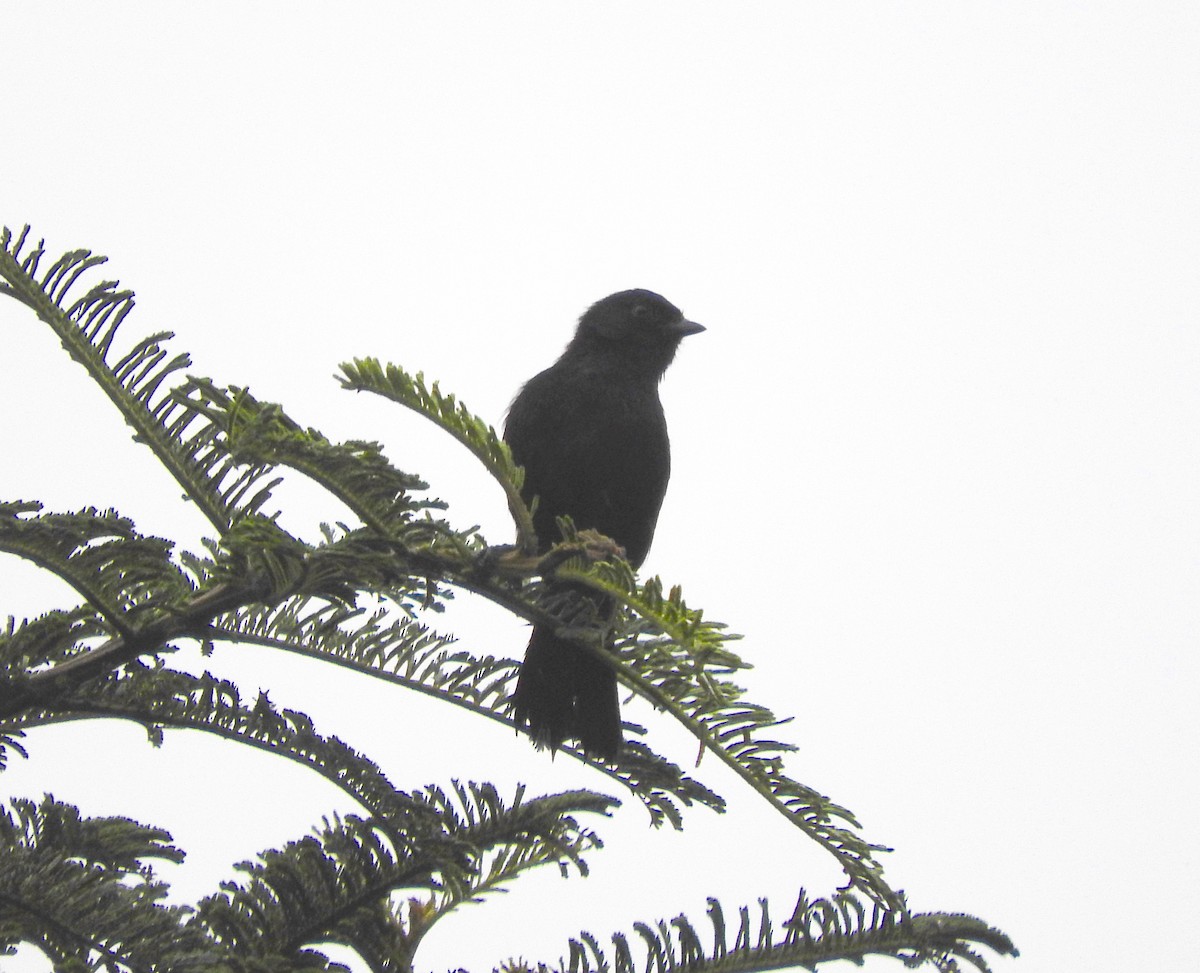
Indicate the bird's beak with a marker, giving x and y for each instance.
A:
(684, 328)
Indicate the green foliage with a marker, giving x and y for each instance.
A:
(337, 885)
(121, 574)
(680, 661)
(78, 888)
(818, 931)
(392, 382)
(189, 447)
(82, 890)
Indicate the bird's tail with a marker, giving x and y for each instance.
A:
(565, 692)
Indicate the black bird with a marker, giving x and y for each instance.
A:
(592, 437)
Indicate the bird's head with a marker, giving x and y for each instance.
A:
(639, 326)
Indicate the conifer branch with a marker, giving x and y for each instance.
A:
(41, 689)
(261, 434)
(819, 931)
(159, 697)
(335, 885)
(681, 668)
(100, 555)
(407, 653)
(393, 382)
(87, 326)
(79, 887)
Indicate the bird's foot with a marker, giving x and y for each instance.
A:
(506, 560)
(589, 544)
(599, 547)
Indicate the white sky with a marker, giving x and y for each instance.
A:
(936, 455)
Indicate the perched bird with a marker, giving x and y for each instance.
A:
(592, 437)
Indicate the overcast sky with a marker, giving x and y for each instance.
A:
(936, 455)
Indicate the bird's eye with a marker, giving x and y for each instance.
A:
(640, 310)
